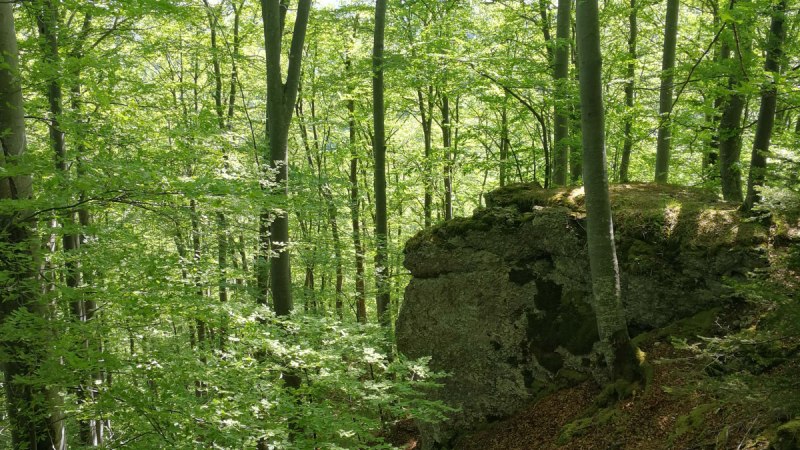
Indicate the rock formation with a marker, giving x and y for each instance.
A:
(502, 300)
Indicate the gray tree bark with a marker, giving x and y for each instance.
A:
(280, 105)
(383, 298)
(627, 146)
(611, 324)
(562, 107)
(664, 142)
(447, 138)
(766, 113)
(34, 415)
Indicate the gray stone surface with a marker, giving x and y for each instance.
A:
(502, 300)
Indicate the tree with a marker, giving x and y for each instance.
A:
(629, 89)
(611, 324)
(561, 76)
(737, 41)
(766, 113)
(280, 106)
(383, 298)
(35, 419)
(664, 142)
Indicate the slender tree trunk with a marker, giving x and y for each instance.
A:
(545, 25)
(35, 420)
(711, 155)
(355, 213)
(447, 138)
(504, 142)
(90, 431)
(237, 42)
(561, 77)
(379, 152)
(222, 222)
(262, 260)
(611, 324)
(575, 149)
(627, 146)
(426, 119)
(664, 142)
(766, 114)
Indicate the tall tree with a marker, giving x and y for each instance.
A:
(562, 106)
(383, 298)
(627, 146)
(447, 138)
(611, 325)
(35, 420)
(425, 104)
(766, 113)
(212, 14)
(664, 142)
(737, 42)
(281, 97)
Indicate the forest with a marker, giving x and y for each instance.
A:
(430, 224)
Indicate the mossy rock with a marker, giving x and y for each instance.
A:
(787, 436)
(502, 300)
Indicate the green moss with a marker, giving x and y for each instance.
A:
(617, 390)
(787, 436)
(600, 418)
(649, 212)
(701, 324)
(693, 422)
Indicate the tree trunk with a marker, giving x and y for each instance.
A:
(35, 419)
(379, 153)
(355, 213)
(575, 150)
(426, 119)
(280, 105)
(504, 142)
(766, 114)
(730, 124)
(664, 142)
(222, 223)
(447, 138)
(237, 41)
(611, 325)
(561, 77)
(627, 146)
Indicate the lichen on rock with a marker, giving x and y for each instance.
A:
(502, 300)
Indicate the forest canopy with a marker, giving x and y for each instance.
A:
(204, 203)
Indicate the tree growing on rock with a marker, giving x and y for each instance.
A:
(611, 325)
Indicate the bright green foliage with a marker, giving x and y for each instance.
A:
(162, 363)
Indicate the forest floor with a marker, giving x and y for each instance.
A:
(731, 399)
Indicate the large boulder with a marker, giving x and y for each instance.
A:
(502, 300)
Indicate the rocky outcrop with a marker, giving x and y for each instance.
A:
(502, 300)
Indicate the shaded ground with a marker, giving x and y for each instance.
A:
(672, 413)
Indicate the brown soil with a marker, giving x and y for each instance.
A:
(669, 414)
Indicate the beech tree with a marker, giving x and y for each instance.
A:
(766, 113)
(562, 106)
(664, 143)
(379, 153)
(33, 408)
(280, 107)
(611, 325)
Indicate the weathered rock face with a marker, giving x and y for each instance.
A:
(502, 300)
